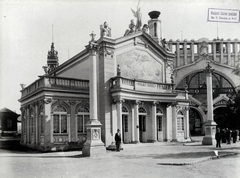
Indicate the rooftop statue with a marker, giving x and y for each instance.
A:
(145, 28)
(165, 44)
(138, 15)
(131, 29)
(105, 30)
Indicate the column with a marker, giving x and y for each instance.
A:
(185, 52)
(36, 123)
(178, 54)
(168, 122)
(27, 127)
(192, 51)
(93, 145)
(210, 125)
(186, 124)
(119, 117)
(72, 135)
(235, 52)
(154, 122)
(174, 122)
(214, 51)
(48, 122)
(221, 53)
(229, 53)
(133, 125)
(136, 121)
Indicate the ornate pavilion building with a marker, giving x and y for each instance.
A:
(135, 92)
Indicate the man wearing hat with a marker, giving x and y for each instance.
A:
(118, 140)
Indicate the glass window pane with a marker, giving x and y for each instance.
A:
(63, 123)
(86, 119)
(55, 123)
(80, 124)
(42, 123)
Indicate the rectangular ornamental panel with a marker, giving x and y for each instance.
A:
(140, 65)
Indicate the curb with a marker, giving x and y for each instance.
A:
(209, 158)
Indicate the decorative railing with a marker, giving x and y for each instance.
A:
(55, 82)
(140, 85)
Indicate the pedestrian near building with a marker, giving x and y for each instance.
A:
(118, 140)
(228, 136)
(234, 136)
(218, 138)
(223, 135)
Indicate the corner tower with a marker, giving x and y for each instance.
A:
(155, 26)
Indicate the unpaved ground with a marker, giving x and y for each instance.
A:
(134, 161)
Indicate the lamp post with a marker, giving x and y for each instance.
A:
(210, 125)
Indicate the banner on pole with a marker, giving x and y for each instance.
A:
(223, 15)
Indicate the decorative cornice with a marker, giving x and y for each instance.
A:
(47, 100)
(104, 49)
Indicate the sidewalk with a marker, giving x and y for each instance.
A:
(164, 153)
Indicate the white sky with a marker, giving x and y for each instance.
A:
(26, 31)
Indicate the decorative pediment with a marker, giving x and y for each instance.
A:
(222, 102)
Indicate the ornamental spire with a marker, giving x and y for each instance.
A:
(52, 58)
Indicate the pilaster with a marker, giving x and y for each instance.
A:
(119, 116)
(174, 122)
(48, 122)
(154, 122)
(136, 121)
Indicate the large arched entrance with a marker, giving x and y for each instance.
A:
(221, 117)
(195, 122)
(197, 86)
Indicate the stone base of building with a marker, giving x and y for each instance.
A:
(208, 140)
(54, 147)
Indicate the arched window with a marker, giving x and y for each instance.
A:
(180, 121)
(82, 119)
(125, 114)
(159, 118)
(124, 109)
(159, 111)
(142, 118)
(59, 119)
(142, 110)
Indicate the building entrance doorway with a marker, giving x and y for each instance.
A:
(221, 116)
(159, 129)
(142, 127)
(124, 127)
(195, 122)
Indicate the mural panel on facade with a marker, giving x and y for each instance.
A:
(136, 65)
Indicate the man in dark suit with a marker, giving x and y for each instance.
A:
(118, 140)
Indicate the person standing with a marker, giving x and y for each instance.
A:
(234, 136)
(118, 140)
(218, 138)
